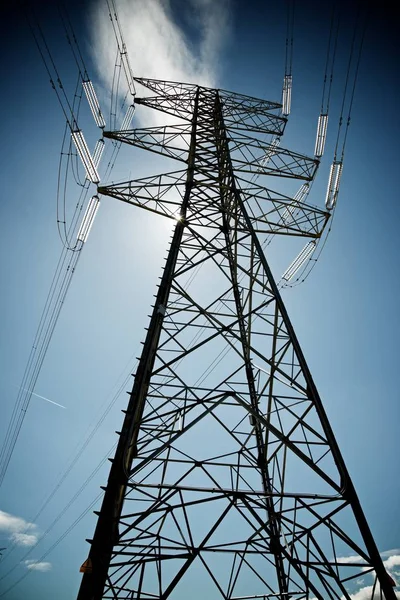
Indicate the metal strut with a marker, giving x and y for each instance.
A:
(106, 533)
(231, 205)
(230, 212)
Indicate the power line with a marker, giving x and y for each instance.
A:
(72, 41)
(77, 455)
(70, 254)
(351, 80)
(56, 543)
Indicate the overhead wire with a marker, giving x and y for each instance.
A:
(53, 304)
(71, 158)
(322, 127)
(288, 77)
(355, 79)
(43, 337)
(323, 122)
(81, 447)
(69, 243)
(76, 106)
(275, 139)
(330, 61)
(289, 37)
(50, 315)
(116, 74)
(344, 97)
(55, 544)
(60, 515)
(121, 45)
(67, 262)
(49, 64)
(59, 287)
(121, 63)
(115, 112)
(339, 149)
(72, 40)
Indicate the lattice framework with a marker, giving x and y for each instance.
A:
(227, 481)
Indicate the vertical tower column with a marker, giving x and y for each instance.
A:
(106, 533)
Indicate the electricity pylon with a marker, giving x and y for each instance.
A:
(227, 481)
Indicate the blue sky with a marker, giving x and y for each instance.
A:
(345, 314)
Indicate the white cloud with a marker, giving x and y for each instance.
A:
(24, 539)
(366, 592)
(386, 553)
(392, 561)
(10, 522)
(19, 531)
(34, 565)
(350, 559)
(157, 46)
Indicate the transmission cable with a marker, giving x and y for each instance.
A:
(289, 37)
(63, 511)
(337, 164)
(336, 152)
(44, 50)
(56, 543)
(80, 448)
(366, 20)
(121, 45)
(58, 289)
(45, 331)
(70, 35)
(64, 476)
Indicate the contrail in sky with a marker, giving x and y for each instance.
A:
(43, 398)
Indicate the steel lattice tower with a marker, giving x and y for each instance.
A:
(227, 480)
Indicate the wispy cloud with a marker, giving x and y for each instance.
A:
(19, 531)
(392, 560)
(157, 46)
(368, 593)
(34, 565)
(24, 539)
(392, 552)
(350, 559)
